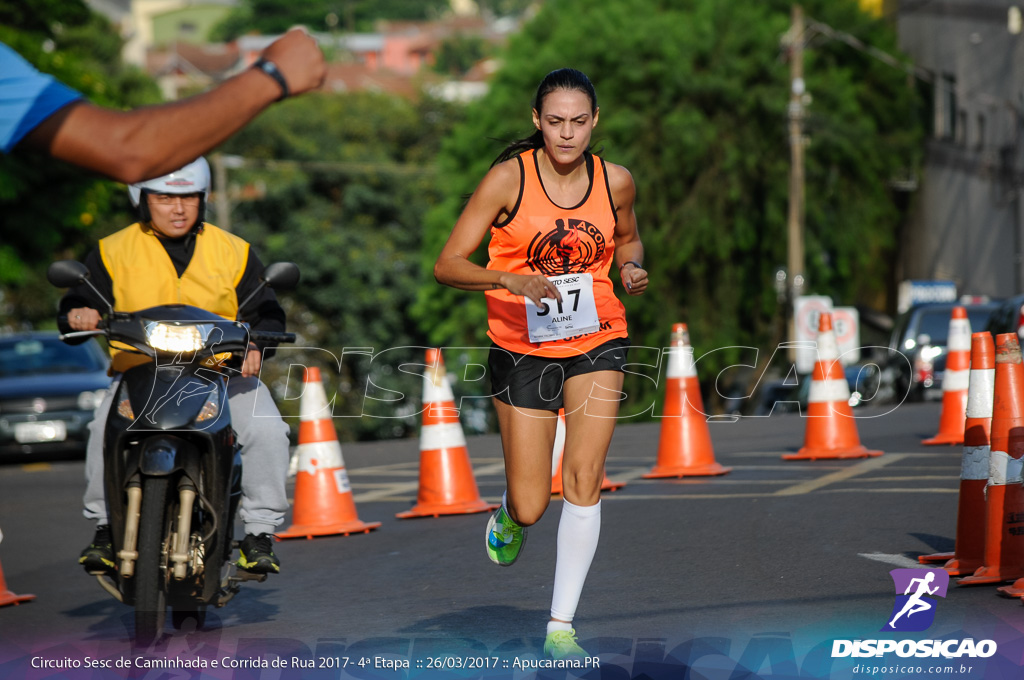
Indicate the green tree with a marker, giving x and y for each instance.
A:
(51, 208)
(693, 99)
(459, 53)
(277, 16)
(345, 180)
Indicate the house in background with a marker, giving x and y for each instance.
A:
(966, 218)
(170, 40)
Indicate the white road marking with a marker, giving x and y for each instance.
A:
(399, 490)
(493, 473)
(868, 465)
(895, 560)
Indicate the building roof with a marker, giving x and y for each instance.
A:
(356, 77)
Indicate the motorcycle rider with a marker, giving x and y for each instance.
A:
(171, 255)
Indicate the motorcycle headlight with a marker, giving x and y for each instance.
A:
(168, 337)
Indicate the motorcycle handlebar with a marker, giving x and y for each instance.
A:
(271, 336)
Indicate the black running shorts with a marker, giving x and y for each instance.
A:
(528, 381)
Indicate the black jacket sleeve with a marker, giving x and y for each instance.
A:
(84, 296)
(263, 312)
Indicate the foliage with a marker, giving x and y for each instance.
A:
(347, 179)
(504, 8)
(693, 100)
(277, 16)
(51, 208)
(456, 55)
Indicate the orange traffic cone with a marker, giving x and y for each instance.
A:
(447, 485)
(556, 461)
(323, 497)
(955, 381)
(7, 597)
(684, 447)
(1003, 558)
(969, 549)
(831, 430)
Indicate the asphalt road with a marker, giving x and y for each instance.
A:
(751, 574)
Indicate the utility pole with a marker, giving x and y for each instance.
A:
(222, 162)
(223, 202)
(795, 223)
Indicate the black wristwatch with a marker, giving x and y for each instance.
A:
(270, 68)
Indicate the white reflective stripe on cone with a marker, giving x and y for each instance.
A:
(828, 350)
(435, 392)
(680, 363)
(1002, 469)
(314, 402)
(559, 448)
(975, 463)
(823, 391)
(443, 436)
(318, 456)
(959, 339)
(981, 393)
(956, 381)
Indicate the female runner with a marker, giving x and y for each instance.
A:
(559, 217)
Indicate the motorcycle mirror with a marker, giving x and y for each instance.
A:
(279, 275)
(66, 273)
(282, 275)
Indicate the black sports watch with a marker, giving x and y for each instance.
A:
(270, 68)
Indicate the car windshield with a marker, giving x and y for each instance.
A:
(32, 356)
(935, 323)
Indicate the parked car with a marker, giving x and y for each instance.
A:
(49, 391)
(790, 396)
(1008, 318)
(916, 360)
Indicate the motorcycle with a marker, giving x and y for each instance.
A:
(172, 465)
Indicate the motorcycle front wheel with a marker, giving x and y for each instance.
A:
(150, 574)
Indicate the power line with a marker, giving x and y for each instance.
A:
(861, 46)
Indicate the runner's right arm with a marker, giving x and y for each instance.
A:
(491, 199)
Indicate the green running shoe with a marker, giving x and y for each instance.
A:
(561, 644)
(505, 538)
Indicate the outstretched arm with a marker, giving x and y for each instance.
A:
(131, 146)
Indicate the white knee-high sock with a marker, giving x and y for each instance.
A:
(579, 528)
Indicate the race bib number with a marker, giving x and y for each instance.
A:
(575, 315)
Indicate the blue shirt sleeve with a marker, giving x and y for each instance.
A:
(27, 97)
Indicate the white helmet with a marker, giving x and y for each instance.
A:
(192, 179)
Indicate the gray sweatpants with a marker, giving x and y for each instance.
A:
(262, 434)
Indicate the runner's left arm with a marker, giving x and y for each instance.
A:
(629, 250)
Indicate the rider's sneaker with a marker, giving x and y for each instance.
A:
(505, 538)
(561, 644)
(98, 557)
(258, 555)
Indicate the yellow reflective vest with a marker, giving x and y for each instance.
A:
(143, 275)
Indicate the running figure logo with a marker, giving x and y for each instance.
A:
(914, 610)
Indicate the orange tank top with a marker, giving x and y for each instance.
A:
(540, 237)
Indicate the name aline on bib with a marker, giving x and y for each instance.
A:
(575, 315)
